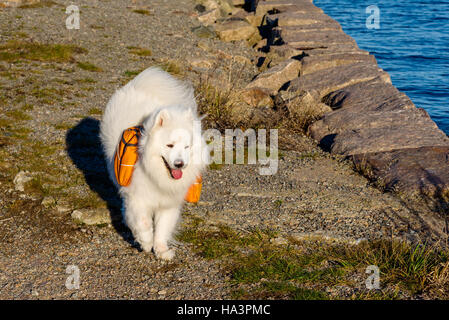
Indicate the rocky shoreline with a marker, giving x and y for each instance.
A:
(392, 142)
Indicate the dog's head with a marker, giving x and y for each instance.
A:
(168, 144)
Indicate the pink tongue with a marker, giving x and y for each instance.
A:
(176, 173)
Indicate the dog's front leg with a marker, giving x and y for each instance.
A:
(139, 220)
(165, 223)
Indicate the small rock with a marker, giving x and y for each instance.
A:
(241, 59)
(285, 51)
(329, 80)
(261, 44)
(302, 104)
(209, 17)
(279, 241)
(226, 7)
(254, 19)
(254, 97)
(48, 202)
(301, 97)
(223, 55)
(204, 32)
(274, 78)
(208, 4)
(202, 44)
(238, 2)
(21, 179)
(162, 292)
(254, 39)
(201, 63)
(200, 8)
(235, 30)
(95, 216)
(238, 12)
(62, 208)
(251, 116)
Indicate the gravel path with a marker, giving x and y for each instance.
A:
(313, 194)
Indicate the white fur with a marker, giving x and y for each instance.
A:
(167, 109)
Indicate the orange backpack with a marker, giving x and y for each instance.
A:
(126, 157)
(194, 192)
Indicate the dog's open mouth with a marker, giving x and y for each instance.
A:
(174, 173)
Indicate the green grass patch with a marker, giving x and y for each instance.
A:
(215, 166)
(142, 52)
(18, 115)
(21, 35)
(400, 263)
(37, 187)
(27, 107)
(89, 200)
(11, 130)
(86, 80)
(47, 95)
(131, 73)
(284, 265)
(171, 66)
(89, 67)
(8, 75)
(309, 155)
(95, 111)
(63, 126)
(302, 270)
(215, 244)
(13, 51)
(142, 11)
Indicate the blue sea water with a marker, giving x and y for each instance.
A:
(412, 45)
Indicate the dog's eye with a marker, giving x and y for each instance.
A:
(170, 145)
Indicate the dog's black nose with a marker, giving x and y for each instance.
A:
(179, 163)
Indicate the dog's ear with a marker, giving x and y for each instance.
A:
(162, 117)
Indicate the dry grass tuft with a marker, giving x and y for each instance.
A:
(215, 103)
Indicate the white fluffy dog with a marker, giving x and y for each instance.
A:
(171, 153)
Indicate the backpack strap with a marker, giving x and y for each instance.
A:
(137, 130)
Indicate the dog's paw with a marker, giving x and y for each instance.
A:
(147, 246)
(166, 255)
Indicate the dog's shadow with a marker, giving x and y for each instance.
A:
(85, 150)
